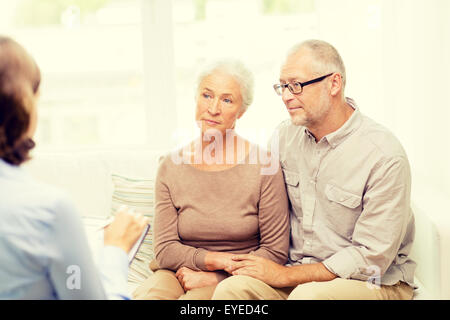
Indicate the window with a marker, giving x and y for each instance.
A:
(122, 72)
(90, 55)
(205, 30)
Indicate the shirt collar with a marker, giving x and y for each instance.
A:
(352, 123)
(7, 169)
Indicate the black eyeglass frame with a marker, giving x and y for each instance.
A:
(302, 84)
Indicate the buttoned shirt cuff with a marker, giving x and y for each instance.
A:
(343, 263)
(113, 265)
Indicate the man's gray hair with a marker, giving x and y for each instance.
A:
(239, 71)
(327, 57)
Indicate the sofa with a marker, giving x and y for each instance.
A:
(86, 175)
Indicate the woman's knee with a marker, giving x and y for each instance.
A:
(245, 288)
(161, 285)
(230, 288)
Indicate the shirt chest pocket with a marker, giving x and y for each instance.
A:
(292, 180)
(344, 209)
(342, 197)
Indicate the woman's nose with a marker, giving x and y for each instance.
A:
(214, 107)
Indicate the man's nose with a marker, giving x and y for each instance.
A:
(286, 95)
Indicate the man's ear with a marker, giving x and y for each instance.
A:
(336, 84)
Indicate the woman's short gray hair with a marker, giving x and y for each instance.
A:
(239, 71)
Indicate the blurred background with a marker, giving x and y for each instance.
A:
(122, 72)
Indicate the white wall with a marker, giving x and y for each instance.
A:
(397, 55)
(419, 43)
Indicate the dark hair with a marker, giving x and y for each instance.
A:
(19, 82)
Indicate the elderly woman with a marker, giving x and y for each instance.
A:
(212, 201)
(43, 249)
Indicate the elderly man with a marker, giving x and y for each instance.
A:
(348, 180)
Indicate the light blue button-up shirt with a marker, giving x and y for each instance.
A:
(44, 252)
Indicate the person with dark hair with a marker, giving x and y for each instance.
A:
(19, 84)
(43, 247)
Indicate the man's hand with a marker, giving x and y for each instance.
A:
(260, 268)
(276, 275)
(190, 279)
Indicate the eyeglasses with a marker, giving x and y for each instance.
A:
(296, 87)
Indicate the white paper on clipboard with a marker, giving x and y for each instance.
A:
(95, 230)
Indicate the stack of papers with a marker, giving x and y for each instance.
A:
(139, 267)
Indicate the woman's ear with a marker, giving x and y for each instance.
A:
(33, 113)
(241, 113)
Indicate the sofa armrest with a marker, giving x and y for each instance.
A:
(431, 249)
